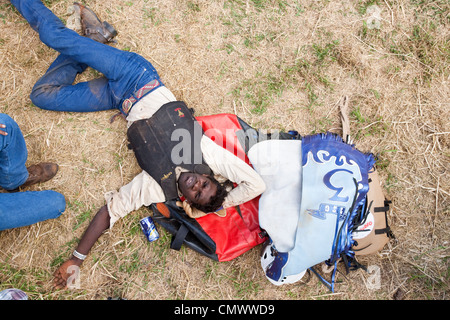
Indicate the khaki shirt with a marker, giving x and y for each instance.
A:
(143, 190)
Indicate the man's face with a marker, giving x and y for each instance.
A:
(196, 188)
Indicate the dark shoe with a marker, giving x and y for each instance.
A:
(40, 172)
(92, 27)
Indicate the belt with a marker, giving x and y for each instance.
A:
(128, 103)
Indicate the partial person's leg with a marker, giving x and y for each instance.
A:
(126, 71)
(25, 208)
(13, 155)
(55, 89)
(57, 36)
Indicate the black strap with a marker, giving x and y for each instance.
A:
(385, 208)
(381, 209)
(381, 231)
(178, 238)
(238, 209)
(386, 230)
(354, 249)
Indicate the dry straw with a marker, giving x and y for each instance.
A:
(278, 65)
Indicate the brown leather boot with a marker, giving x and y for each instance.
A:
(92, 27)
(40, 172)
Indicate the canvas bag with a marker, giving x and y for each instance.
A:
(334, 185)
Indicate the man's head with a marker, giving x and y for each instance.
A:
(202, 191)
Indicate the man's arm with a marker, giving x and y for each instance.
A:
(142, 190)
(95, 229)
(225, 163)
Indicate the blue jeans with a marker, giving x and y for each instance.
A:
(13, 155)
(21, 208)
(123, 72)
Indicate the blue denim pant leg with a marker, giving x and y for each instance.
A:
(55, 89)
(13, 155)
(124, 72)
(26, 208)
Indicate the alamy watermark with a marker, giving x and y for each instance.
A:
(373, 280)
(374, 19)
(74, 280)
(188, 151)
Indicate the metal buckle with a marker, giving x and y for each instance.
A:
(126, 105)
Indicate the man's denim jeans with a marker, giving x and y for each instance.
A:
(21, 208)
(13, 155)
(123, 72)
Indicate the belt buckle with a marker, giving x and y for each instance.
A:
(126, 105)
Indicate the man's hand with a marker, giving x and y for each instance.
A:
(63, 273)
(95, 229)
(4, 133)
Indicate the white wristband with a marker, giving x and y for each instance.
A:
(78, 255)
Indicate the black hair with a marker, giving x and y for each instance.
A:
(216, 201)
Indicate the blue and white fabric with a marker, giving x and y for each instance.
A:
(330, 186)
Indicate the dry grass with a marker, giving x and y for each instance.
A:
(277, 64)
